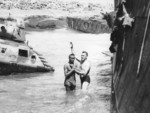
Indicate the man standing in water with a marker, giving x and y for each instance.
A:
(84, 70)
(69, 71)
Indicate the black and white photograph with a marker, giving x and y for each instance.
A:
(74, 56)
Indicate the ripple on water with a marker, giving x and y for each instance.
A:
(44, 92)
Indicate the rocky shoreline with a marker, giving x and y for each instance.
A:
(65, 5)
(44, 22)
(43, 14)
(88, 26)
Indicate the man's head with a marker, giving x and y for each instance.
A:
(84, 56)
(3, 29)
(71, 58)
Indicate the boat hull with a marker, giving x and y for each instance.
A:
(16, 56)
(8, 68)
(131, 80)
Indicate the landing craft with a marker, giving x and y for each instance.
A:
(17, 57)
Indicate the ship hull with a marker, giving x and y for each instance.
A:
(131, 62)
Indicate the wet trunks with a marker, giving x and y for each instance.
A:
(85, 79)
(70, 85)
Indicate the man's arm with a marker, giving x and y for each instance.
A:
(78, 60)
(84, 71)
(66, 72)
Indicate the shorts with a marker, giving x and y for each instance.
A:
(69, 86)
(85, 79)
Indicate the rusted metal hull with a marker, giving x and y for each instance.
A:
(131, 62)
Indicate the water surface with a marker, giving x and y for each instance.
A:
(44, 92)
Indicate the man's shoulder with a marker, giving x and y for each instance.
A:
(87, 62)
(66, 65)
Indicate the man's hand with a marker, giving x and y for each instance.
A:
(81, 76)
(73, 68)
(78, 60)
(77, 70)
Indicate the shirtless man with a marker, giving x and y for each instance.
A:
(83, 71)
(5, 35)
(69, 71)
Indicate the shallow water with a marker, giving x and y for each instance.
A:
(44, 92)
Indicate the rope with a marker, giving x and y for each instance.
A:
(143, 43)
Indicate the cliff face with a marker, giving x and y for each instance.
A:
(44, 14)
(88, 26)
(131, 36)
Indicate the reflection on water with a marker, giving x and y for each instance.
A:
(44, 92)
